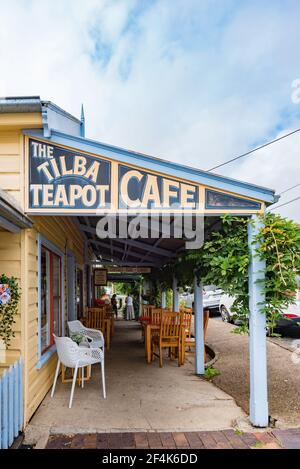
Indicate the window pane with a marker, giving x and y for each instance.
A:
(219, 200)
(56, 295)
(45, 297)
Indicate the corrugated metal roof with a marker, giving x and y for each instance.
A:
(20, 104)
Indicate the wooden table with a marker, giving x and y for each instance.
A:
(86, 376)
(149, 329)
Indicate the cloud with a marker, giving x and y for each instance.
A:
(193, 82)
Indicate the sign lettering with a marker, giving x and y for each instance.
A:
(64, 180)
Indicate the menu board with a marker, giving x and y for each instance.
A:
(100, 277)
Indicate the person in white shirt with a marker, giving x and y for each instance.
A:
(129, 308)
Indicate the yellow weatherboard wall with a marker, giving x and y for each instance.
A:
(62, 232)
(18, 258)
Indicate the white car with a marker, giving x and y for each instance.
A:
(288, 323)
(225, 304)
(211, 297)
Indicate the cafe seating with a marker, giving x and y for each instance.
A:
(70, 355)
(98, 318)
(188, 341)
(169, 336)
(92, 337)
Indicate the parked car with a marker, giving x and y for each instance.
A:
(225, 304)
(187, 298)
(288, 324)
(211, 297)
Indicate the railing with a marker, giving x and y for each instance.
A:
(11, 404)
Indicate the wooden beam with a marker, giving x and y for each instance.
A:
(134, 243)
(117, 249)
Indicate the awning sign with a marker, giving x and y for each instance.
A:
(63, 180)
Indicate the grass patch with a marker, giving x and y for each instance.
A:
(211, 372)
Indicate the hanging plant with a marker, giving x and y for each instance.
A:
(8, 307)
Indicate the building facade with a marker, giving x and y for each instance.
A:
(54, 183)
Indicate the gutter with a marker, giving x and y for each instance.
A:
(20, 104)
(12, 217)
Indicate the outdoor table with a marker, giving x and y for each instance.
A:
(149, 329)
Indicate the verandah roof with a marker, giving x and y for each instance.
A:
(150, 252)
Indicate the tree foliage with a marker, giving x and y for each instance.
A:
(224, 260)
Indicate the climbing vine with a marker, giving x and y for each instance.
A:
(224, 260)
(8, 310)
(279, 242)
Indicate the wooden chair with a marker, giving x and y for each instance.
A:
(146, 312)
(155, 315)
(146, 317)
(169, 336)
(187, 322)
(189, 341)
(97, 319)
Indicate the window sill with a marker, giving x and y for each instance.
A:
(45, 357)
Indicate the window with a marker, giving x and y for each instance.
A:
(215, 200)
(50, 296)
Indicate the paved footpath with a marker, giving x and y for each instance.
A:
(225, 439)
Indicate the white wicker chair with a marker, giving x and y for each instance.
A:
(73, 356)
(93, 337)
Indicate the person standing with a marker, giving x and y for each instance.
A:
(114, 305)
(129, 308)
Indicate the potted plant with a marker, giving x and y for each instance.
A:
(78, 338)
(9, 300)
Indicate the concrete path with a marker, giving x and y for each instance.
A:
(140, 397)
(233, 364)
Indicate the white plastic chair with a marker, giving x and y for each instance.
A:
(73, 356)
(93, 337)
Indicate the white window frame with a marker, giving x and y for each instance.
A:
(42, 241)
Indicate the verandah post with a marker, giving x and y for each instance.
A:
(199, 331)
(163, 299)
(257, 330)
(175, 295)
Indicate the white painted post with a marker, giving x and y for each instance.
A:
(198, 324)
(88, 286)
(72, 313)
(257, 330)
(140, 299)
(175, 295)
(163, 299)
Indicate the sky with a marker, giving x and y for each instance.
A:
(192, 81)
